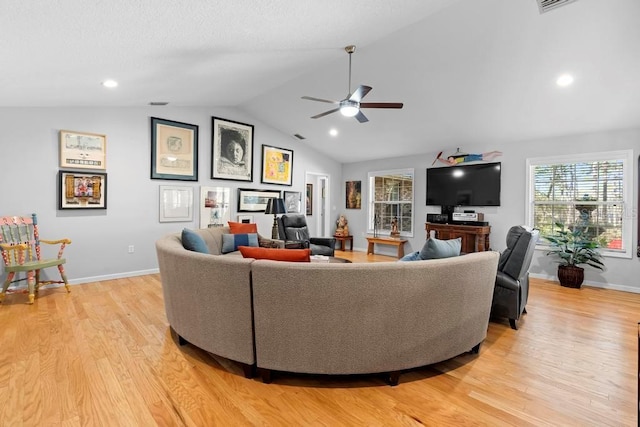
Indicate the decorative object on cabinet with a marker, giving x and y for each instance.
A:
(231, 150)
(255, 200)
(176, 203)
(174, 150)
(83, 150)
(78, 190)
(277, 165)
(215, 206)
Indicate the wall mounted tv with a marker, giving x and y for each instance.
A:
(464, 185)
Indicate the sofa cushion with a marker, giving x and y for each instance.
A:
(231, 242)
(294, 255)
(242, 227)
(193, 241)
(435, 248)
(414, 256)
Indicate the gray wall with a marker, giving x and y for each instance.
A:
(621, 273)
(29, 153)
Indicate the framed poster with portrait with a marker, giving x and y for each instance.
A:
(231, 150)
(353, 193)
(277, 165)
(174, 150)
(77, 190)
(83, 150)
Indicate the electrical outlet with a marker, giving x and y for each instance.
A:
(131, 249)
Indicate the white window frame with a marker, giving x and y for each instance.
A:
(627, 224)
(371, 181)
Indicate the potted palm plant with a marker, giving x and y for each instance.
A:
(574, 246)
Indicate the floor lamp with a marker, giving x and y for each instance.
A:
(275, 207)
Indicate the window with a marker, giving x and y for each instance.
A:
(391, 196)
(586, 190)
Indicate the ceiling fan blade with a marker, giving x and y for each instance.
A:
(381, 105)
(311, 98)
(361, 117)
(317, 116)
(360, 93)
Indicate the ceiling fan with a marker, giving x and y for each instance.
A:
(352, 104)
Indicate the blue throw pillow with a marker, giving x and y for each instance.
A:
(193, 241)
(434, 248)
(414, 256)
(230, 242)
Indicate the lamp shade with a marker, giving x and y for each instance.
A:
(275, 207)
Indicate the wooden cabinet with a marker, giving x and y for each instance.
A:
(475, 238)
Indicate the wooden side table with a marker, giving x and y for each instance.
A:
(342, 240)
(386, 241)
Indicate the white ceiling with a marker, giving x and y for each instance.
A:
(468, 71)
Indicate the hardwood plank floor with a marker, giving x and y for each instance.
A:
(103, 355)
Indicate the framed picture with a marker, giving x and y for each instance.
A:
(215, 206)
(353, 193)
(231, 150)
(255, 200)
(277, 165)
(82, 150)
(245, 219)
(77, 190)
(174, 150)
(176, 203)
(293, 201)
(309, 203)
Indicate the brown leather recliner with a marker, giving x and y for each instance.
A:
(294, 227)
(512, 280)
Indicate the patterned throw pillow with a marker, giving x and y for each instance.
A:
(193, 241)
(231, 242)
(435, 248)
(294, 255)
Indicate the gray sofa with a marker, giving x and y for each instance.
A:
(326, 318)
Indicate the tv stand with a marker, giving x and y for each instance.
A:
(475, 238)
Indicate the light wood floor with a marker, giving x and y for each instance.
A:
(103, 356)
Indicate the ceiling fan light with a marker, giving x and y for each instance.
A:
(349, 110)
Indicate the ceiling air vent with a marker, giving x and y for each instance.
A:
(547, 5)
(300, 137)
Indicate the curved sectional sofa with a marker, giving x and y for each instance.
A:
(325, 318)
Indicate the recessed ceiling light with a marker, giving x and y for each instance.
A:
(333, 132)
(564, 80)
(110, 83)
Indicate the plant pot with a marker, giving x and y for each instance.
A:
(570, 276)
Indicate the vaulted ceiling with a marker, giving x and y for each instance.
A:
(468, 71)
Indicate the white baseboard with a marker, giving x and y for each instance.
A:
(112, 276)
(611, 286)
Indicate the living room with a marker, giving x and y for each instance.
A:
(102, 237)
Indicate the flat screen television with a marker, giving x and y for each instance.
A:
(464, 185)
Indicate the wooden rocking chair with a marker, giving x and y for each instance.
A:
(20, 246)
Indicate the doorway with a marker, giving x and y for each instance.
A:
(317, 204)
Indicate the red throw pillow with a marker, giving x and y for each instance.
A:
(293, 255)
(242, 227)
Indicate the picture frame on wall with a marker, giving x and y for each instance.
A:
(255, 200)
(82, 150)
(277, 165)
(293, 201)
(353, 192)
(215, 206)
(174, 150)
(175, 203)
(231, 150)
(309, 203)
(82, 190)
